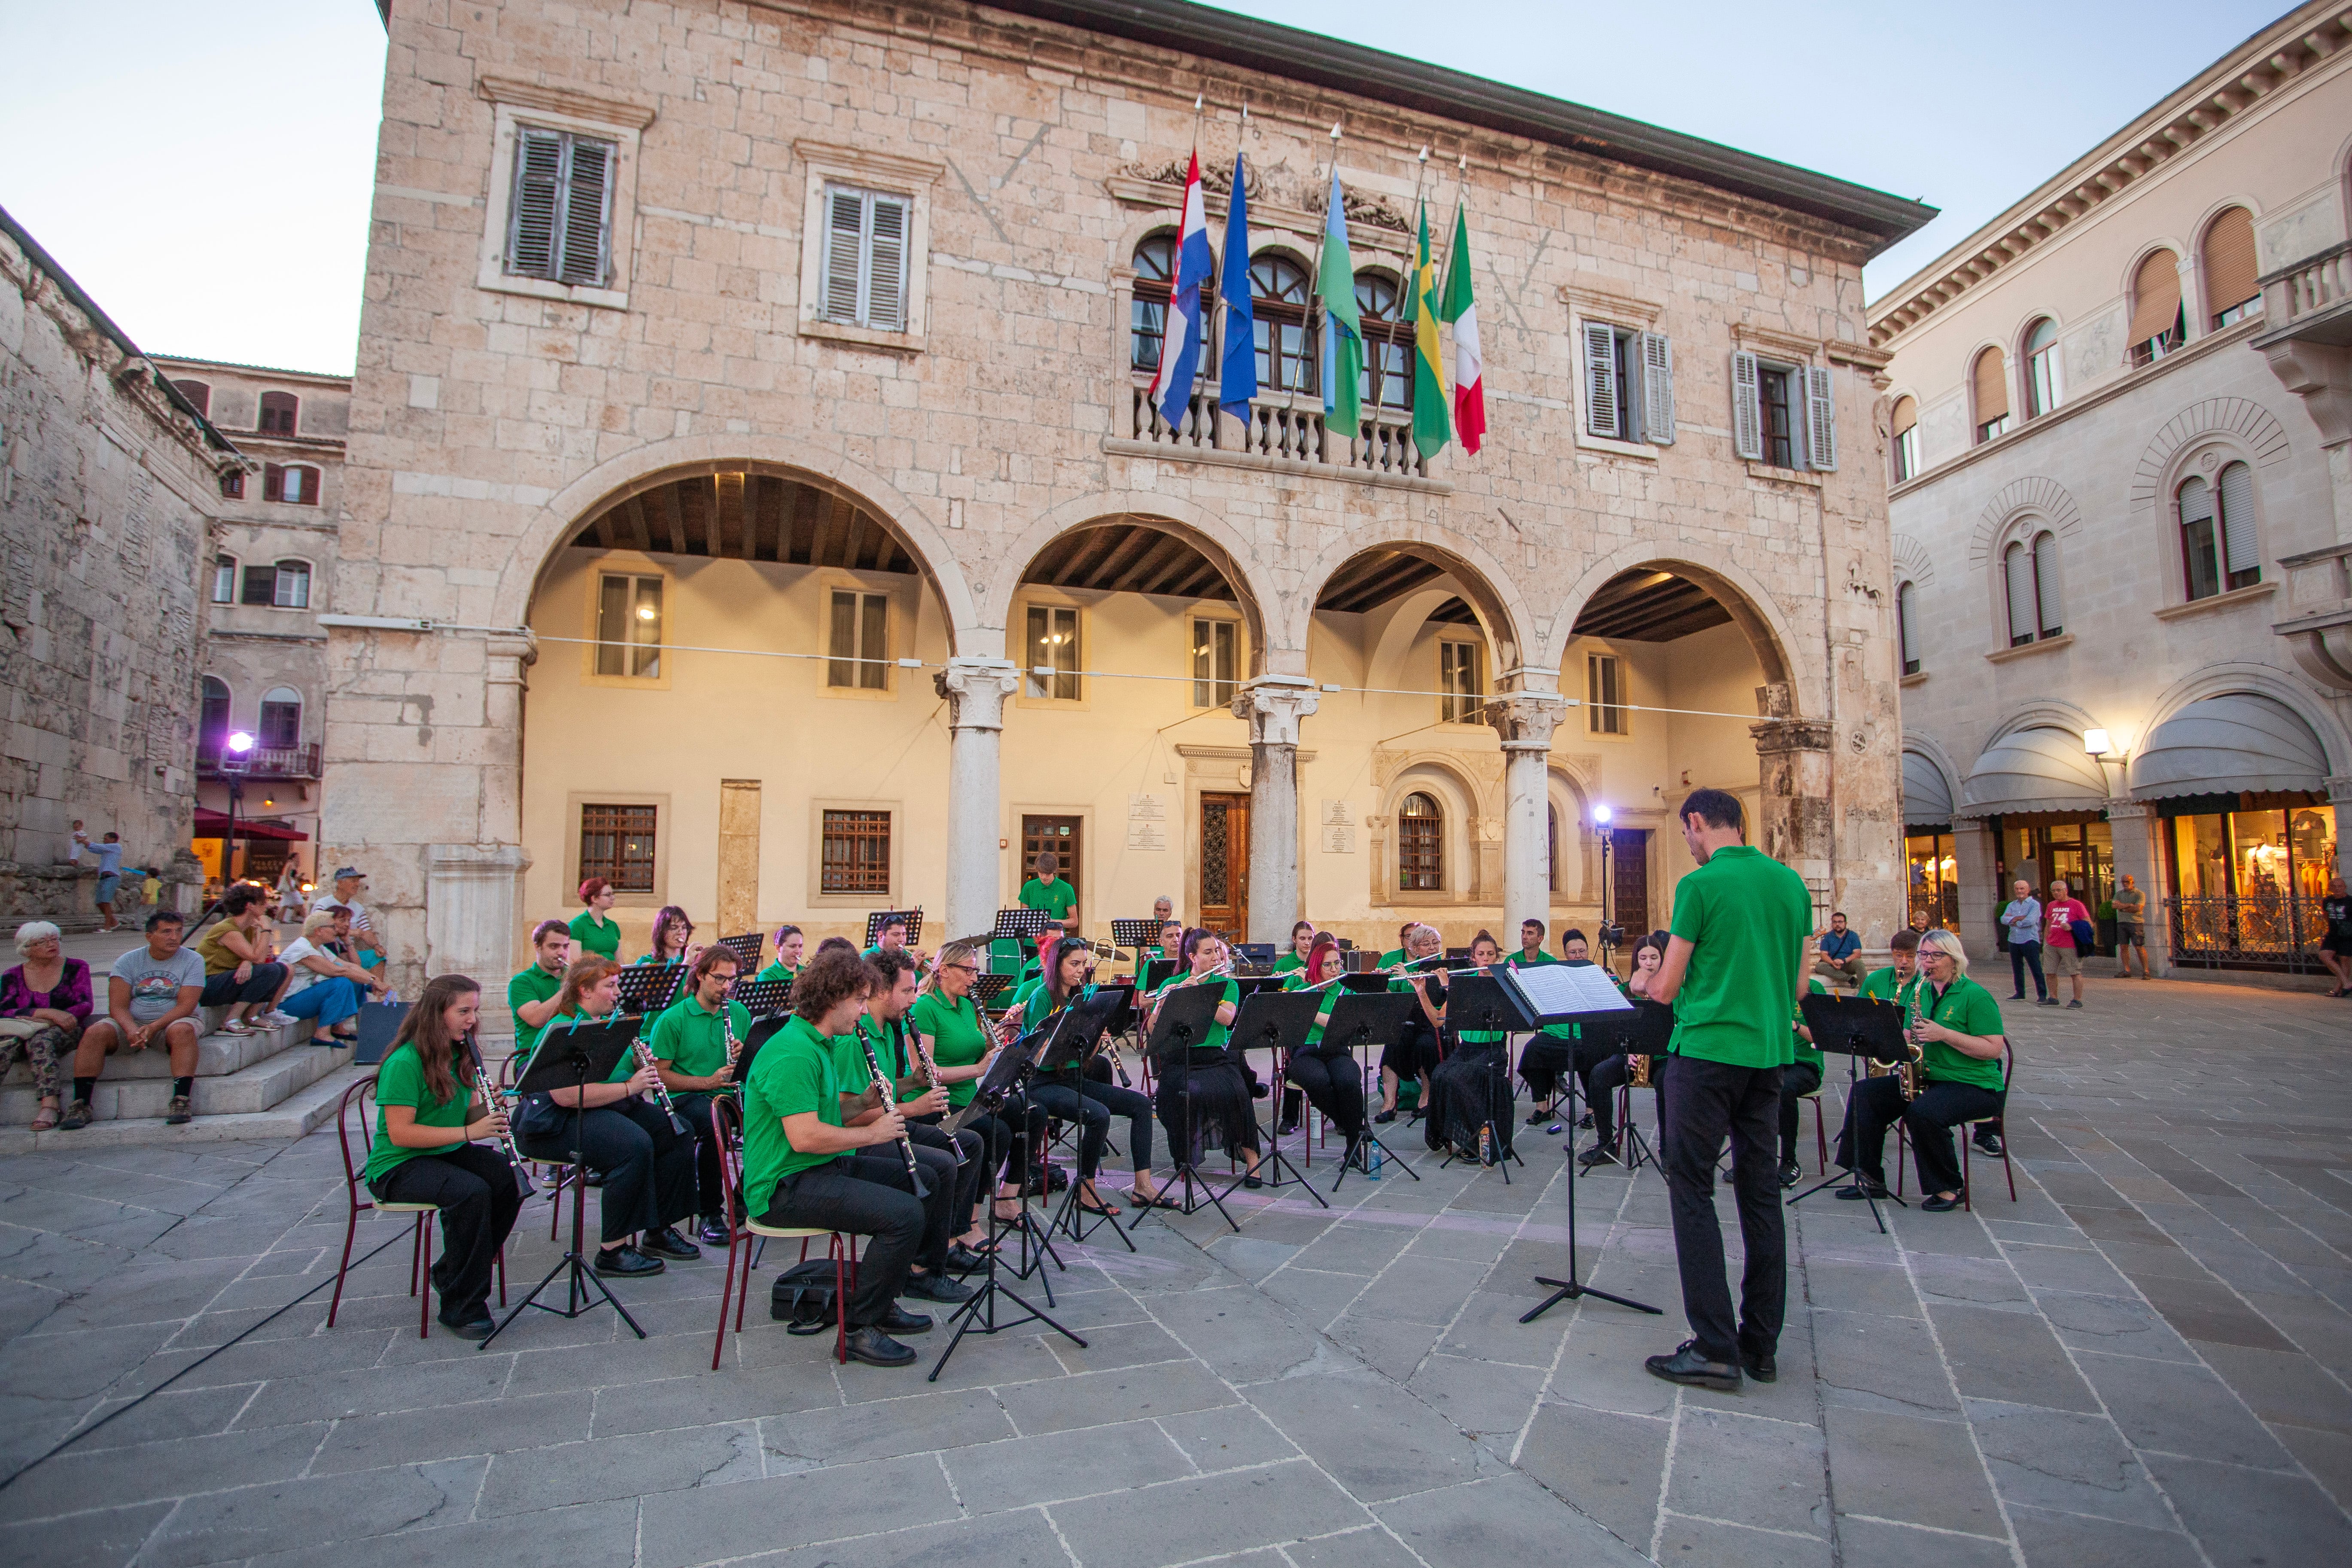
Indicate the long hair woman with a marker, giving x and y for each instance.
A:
(948, 1017)
(426, 1119)
(1331, 1082)
(673, 938)
(1218, 1110)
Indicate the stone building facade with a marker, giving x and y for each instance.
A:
(271, 571)
(691, 533)
(2121, 518)
(106, 479)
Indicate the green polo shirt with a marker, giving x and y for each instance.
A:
(777, 970)
(791, 1076)
(1967, 1008)
(1746, 917)
(1057, 898)
(849, 1056)
(533, 985)
(1881, 985)
(1289, 963)
(401, 1082)
(693, 1039)
(1393, 956)
(1325, 999)
(1228, 991)
(1798, 1043)
(598, 936)
(956, 1036)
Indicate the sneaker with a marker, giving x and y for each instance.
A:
(626, 1262)
(477, 1329)
(2075, 1004)
(2045, 1001)
(275, 1019)
(667, 1243)
(77, 1117)
(1989, 1141)
(179, 1113)
(874, 1348)
(1791, 1174)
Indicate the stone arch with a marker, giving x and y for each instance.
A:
(2045, 497)
(1911, 561)
(657, 463)
(1226, 548)
(2241, 421)
(1492, 592)
(2260, 681)
(1459, 797)
(1751, 609)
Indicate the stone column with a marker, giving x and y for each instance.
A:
(975, 690)
(1525, 720)
(1796, 827)
(2339, 795)
(473, 893)
(1976, 865)
(1273, 704)
(2134, 828)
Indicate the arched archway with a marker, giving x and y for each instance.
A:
(1361, 576)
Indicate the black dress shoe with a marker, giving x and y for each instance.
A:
(874, 1348)
(626, 1262)
(1286, 1130)
(712, 1232)
(937, 1287)
(1940, 1204)
(478, 1328)
(1539, 1116)
(1863, 1187)
(1253, 1180)
(1385, 1116)
(1763, 1368)
(1792, 1173)
(1692, 1370)
(898, 1321)
(1599, 1154)
(667, 1243)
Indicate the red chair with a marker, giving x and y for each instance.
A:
(743, 1234)
(358, 1110)
(1963, 1133)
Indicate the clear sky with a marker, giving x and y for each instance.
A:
(203, 169)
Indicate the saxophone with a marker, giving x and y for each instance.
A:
(1906, 1072)
(1637, 1070)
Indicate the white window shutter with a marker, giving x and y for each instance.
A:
(1821, 420)
(1747, 405)
(587, 200)
(2017, 563)
(886, 281)
(1657, 389)
(845, 246)
(2046, 585)
(2239, 549)
(539, 173)
(1601, 391)
(2196, 501)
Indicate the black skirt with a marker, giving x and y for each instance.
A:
(1222, 1114)
(1469, 1091)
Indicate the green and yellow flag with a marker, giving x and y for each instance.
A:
(1431, 427)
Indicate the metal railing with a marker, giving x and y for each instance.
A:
(2268, 932)
(298, 761)
(1289, 428)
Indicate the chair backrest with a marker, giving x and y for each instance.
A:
(727, 1128)
(356, 1112)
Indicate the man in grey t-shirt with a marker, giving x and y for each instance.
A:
(152, 995)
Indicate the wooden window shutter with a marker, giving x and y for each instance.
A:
(1906, 417)
(885, 290)
(1991, 380)
(1601, 400)
(587, 199)
(261, 585)
(1820, 418)
(1657, 389)
(539, 175)
(2156, 297)
(2045, 585)
(198, 393)
(1747, 405)
(2239, 550)
(2229, 268)
(2017, 566)
(273, 482)
(845, 246)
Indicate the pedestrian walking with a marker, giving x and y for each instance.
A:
(2022, 918)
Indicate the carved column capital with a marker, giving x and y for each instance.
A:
(1273, 705)
(1777, 737)
(1526, 720)
(975, 690)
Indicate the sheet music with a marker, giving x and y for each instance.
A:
(1556, 991)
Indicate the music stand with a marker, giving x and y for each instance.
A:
(987, 988)
(1370, 1016)
(1490, 1007)
(1647, 1033)
(1069, 1040)
(1024, 925)
(1156, 973)
(379, 1025)
(762, 1031)
(746, 948)
(880, 918)
(648, 988)
(573, 1059)
(1137, 934)
(1278, 1022)
(762, 998)
(1186, 1014)
(1856, 1028)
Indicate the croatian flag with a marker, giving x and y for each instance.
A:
(1179, 345)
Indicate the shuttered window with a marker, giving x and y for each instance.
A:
(1747, 405)
(1604, 694)
(2155, 309)
(2230, 292)
(2200, 564)
(856, 659)
(1906, 631)
(279, 412)
(1657, 362)
(1629, 384)
(291, 483)
(2241, 557)
(864, 272)
(2017, 569)
(1462, 694)
(291, 591)
(1905, 425)
(1990, 381)
(2043, 383)
(559, 227)
(1821, 420)
(2048, 612)
(1604, 409)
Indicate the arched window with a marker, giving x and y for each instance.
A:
(2231, 291)
(1420, 845)
(223, 579)
(2030, 576)
(1906, 428)
(1990, 379)
(281, 717)
(1155, 272)
(1388, 344)
(2043, 386)
(280, 411)
(292, 589)
(198, 393)
(2218, 548)
(2156, 327)
(1907, 630)
(292, 483)
(212, 721)
(1285, 361)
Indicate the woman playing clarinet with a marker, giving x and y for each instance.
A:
(1221, 1110)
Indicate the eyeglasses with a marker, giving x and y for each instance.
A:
(966, 968)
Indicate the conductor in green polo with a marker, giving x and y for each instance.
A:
(1047, 891)
(1736, 955)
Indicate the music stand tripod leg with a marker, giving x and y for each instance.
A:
(1571, 1287)
(577, 1302)
(984, 1302)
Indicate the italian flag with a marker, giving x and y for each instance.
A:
(1469, 368)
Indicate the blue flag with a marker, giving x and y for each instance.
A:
(1237, 374)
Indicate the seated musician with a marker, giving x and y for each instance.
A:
(1550, 1052)
(1220, 1111)
(1415, 1050)
(673, 938)
(1798, 1080)
(962, 1049)
(1469, 1091)
(1331, 1082)
(892, 937)
(788, 944)
(648, 1169)
(689, 1045)
(530, 996)
(807, 1166)
(427, 1117)
(1302, 942)
(1959, 1039)
(1894, 982)
(1603, 1069)
(921, 1101)
(1070, 1095)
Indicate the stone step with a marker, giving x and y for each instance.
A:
(288, 1119)
(217, 1055)
(236, 1074)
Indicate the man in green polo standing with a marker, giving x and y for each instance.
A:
(1736, 957)
(1047, 891)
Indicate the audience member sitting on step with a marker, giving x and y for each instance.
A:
(239, 973)
(44, 1002)
(151, 996)
(322, 987)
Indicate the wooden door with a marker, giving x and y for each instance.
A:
(1225, 864)
(1630, 877)
(1062, 836)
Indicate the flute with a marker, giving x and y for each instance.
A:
(491, 1100)
(890, 1103)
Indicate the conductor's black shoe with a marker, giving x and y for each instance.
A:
(1384, 1118)
(1790, 1174)
(1687, 1367)
(713, 1231)
(667, 1243)
(874, 1348)
(1863, 1187)
(1259, 1091)
(1989, 1141)
(937, 1287)
(594, 1178)
(1763, 1368)
(1599, 1154)
(626, 1263)
(898, 1321)
(474, 1328)
(1731, 1177)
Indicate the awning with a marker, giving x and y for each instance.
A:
(211, 824)
(2229, 744)
(2033, 769)
(1927, 799)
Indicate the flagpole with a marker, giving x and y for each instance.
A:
(1461, 205)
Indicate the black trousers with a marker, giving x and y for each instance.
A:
(870, 1194)
(222, 989)
(1603, 1074)
(648, 1169)
(2024, 955)
(1544, 1057)
(1333, 1085)
(474, 1187)
(1797, 1080)
(709, 1179)
(1877, 1104)
(966, 1150)
(1136, 1108)
(1091, 1117)
(1703, 1101)
(1414, 1052)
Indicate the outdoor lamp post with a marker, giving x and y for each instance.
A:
(1610, 934)
(234, 756)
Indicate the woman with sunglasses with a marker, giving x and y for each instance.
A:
(1957, 1040)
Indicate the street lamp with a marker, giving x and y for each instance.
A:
(234, 761)
(1610, 934)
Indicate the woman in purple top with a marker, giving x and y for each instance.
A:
(44, 1002)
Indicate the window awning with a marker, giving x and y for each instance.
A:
(2234, 742)
(211, 824)
(1927, 799)
(2033, 769)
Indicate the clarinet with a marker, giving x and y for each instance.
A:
(734, 1046)
(490, 1098)
(928, 1064)
(890, 1101)
(677, 1123)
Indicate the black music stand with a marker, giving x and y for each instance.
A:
(1186, 1014)
(1069, 1040)
(1135, 934)
(1374, 1016)
(762, 998)
(646, 989)
(1856, 1028)
(1484, 1005)
(987, 988)
(1278, 1022)
(762, 1031)
(747, 948)
(880, 918)
(1156, 973)
(1023, 925)
(573, 1059)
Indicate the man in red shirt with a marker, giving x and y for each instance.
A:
(2058, 918)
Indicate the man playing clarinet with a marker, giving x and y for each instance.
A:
(690, 1046)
